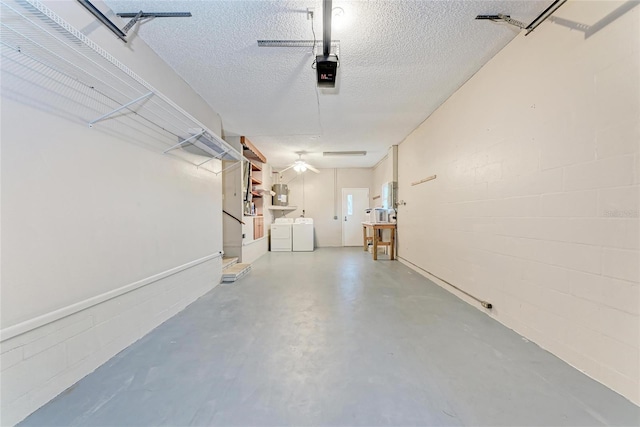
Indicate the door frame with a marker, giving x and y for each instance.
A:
(343, 209)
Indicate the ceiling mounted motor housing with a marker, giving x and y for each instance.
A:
(327, 69)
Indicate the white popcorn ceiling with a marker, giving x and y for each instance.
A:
(399, 61)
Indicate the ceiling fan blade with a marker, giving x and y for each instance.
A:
(287, 168)
(312, 169)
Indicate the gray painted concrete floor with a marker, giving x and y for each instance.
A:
(333, 338)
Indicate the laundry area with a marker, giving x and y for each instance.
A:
(289, 235)
(320, 212)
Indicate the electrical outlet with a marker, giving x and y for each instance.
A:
(310, 11)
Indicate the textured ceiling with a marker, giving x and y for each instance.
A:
(399, 60)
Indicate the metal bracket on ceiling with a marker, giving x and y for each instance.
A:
(335, 44)
(533, 25)
(504, 18)
(135, 17)
(138, 16)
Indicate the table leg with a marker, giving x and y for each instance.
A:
(392, 244)
(375, 244)
(364, 236)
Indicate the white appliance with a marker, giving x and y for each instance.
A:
(281, 235)
(377, 215)
(302, 230)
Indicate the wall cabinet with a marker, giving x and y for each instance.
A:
(258, 227)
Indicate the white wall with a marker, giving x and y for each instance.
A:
(103, 236)
(382, 173)
(319, 200)
(535, 205)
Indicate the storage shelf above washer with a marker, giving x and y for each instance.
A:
(283, 208)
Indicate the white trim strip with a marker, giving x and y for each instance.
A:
(36, 322)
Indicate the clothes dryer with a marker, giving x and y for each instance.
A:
(302, 233)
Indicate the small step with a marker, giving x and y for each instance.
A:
(229, 261)
(235, 272)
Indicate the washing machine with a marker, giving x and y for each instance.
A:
(281, 235)
(302, 230)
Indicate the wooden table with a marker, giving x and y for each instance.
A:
(376, 237)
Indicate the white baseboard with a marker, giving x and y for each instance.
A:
(55, 351)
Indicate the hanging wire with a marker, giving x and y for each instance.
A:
(313, 46)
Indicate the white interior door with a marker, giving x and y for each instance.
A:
(354, 202)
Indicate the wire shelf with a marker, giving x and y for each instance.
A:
(90, 85)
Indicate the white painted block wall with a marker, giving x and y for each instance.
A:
(87, 216)
(38, 365)
(535, 207)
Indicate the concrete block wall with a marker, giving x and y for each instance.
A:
(535, 206)
(104, 237)
(41, 363)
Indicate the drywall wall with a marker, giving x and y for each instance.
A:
(320, 196)
(535, 204)
(103, 236)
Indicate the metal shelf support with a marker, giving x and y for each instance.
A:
(228, 167)
(35, 36)
(198, 135)
(122, 107)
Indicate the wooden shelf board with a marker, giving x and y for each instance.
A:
(250, 150)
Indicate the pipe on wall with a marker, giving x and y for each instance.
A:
(482, 302)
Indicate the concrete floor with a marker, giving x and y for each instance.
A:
(333, 338)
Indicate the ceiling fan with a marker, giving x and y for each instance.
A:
(300, 166)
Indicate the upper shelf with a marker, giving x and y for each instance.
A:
(251, 151)
(283, 208)
(105, 91)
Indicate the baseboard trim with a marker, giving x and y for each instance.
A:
(36, 322)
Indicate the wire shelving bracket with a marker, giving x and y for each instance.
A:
(110, 90)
